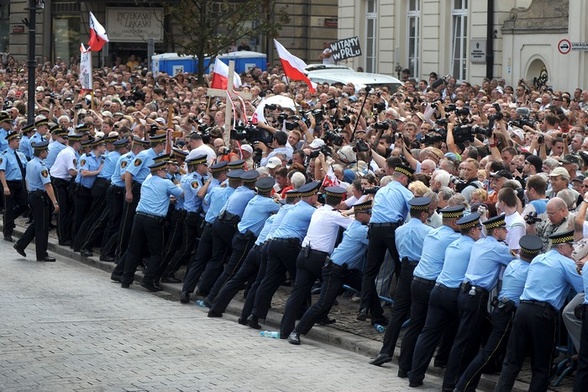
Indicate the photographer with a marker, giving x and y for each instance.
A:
(556, 220)
(278, 146)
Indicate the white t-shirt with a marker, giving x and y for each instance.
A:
(203, 149)
(515, 224)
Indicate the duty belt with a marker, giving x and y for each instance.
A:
(425, 281)
(410, 262)
(542, 304)
(467, 287)
(386, 224)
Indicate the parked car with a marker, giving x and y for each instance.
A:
(327, 73)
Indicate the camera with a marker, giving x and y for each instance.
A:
(361, 146)
(343, 121)
(379, 107)
(331, 103)
(541, 139)
(531, 218)
(371, 191)
(432, 138)
(324, 149)
(333, 137)
(384, 125)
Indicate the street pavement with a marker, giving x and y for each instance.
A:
(67, 327)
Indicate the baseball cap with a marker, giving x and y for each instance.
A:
(536, 162)
(273, 162)
(560, 171)
(501, 174)
(317, 143)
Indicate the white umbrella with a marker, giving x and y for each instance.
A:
(279, 100)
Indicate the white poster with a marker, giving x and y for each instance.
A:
(134, 24)
(85, 68)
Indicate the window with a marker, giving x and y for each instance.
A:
(66, 37)
(371, 36)
(414, 19)
(459, 34)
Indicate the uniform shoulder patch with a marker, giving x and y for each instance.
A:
(82, 162)
(75, 162)
(195, 184)
(44, 173)
(123, 164)
(138, 162)
(0, 160)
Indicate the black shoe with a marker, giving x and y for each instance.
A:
(253, 322)
(65, 243)
(294, 338)
(171, 279)
(125, 285)
(415, 384)
(362, 315)
(115, 277)
(402, 373)
(19, 250)
(326, 321)
(8, 238)
(86, 253)
(382, 320)
(52, 226)
(212, 313)
(109, 259)
(29, 221)
(381, 359)
(151, 286)
(242, 321)
(185, 297)
(47, 259)
(440, 364)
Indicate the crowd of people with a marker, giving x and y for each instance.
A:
(450, 198)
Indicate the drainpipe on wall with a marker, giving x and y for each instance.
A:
(490, 40)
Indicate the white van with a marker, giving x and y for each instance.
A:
(326, 73)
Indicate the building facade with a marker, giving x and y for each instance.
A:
(471, 40)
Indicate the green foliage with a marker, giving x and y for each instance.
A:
(210, 27)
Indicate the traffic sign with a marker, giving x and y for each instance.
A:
(564, 46)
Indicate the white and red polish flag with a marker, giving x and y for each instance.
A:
(98, 37)
(220, 76)
(293, 66)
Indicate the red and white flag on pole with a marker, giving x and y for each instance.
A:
(98, 35)
(293, 66)
(220, 76)
(330, 178)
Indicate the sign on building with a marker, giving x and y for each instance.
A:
(478, 50)
(345, 48)
(134, 24)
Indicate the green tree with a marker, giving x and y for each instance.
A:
(209, 27)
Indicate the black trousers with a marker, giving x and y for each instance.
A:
(198, 261)
(14, 205)
(126, 223)
(39, 229)
(242, 244)
(247, 273)
(495, 346)
(146, 239)
(83, 202)
(251, 294)
(334, 277)
(381, 239)
(92, 219)
(309, 266)
(222, 237)
(581, 379)
(442, 320)
(191, 232)
(533, 332)
(115, 199)
(173, 239)
(473, 323)
(281, 258)
(63, 193)
(420, 292)
(401, 308)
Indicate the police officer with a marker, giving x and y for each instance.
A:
(59, 143)
(25, 146)
(409, 243)
(486, 261)
(63, 172)
(505, 305)
(41, 129)
(216, 199)
(283, 250)
(258, 209)
(343, 266)
(41, 199)
(389, 212)
(5, 127)
(442, 314)
(581, 378)
(224, 228)
(423, 281)
(549, 280)
(192, 184)
(317, 245)
(147, 231)
(12, 177)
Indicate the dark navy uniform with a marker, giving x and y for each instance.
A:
(389, 212)
(550, 278)
(513, 283)
(12, 172)
(409, 243)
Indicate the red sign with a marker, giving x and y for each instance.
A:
(18, 29)
(564, 46)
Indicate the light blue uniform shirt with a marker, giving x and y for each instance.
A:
(295, 222)
(410, 238)
(155, 193)
(139, 168)
(457, 258)
(486, 260)
(585, 280)
(9, 164)
(353, 246)
(391, 203)
(37, 175)
(278, 218)
(3, 141)
(36, 138)
(238, 201)
(91, 163)
(109, 166)
(54, 149)
(256, 212)
(213, 184)
(121, 167)
(25, 146)
(216, 199)
(191, 183)
(265, 231)
(513, 280)
(433, 257)
(550, 278)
